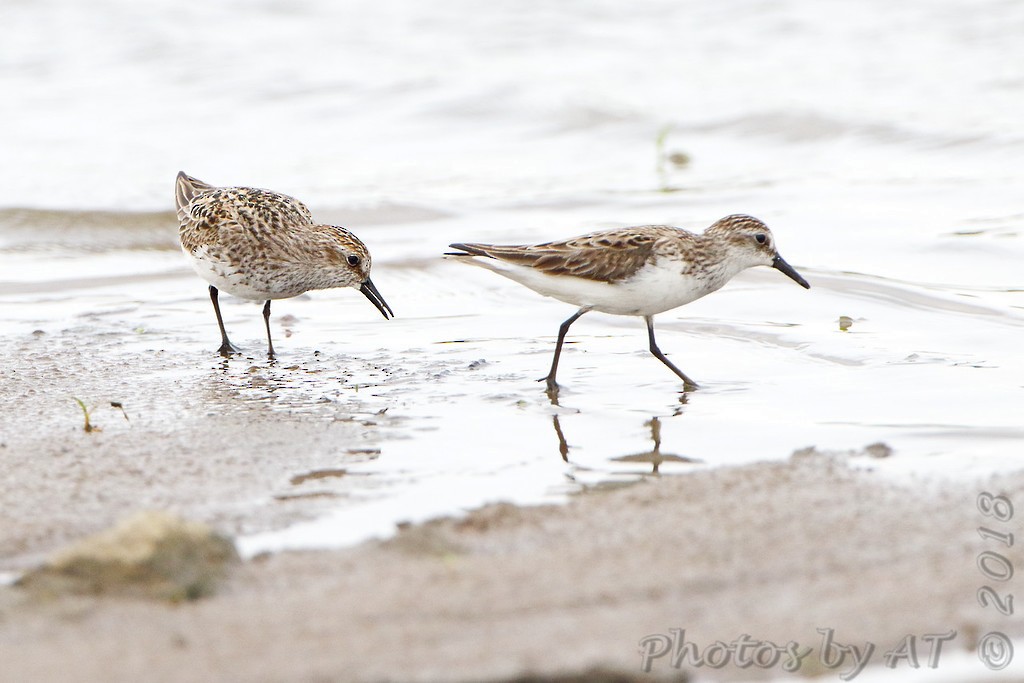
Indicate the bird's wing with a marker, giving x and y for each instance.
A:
(608, 256)
(244, 211)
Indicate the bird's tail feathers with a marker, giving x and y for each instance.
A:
(467, 250)
(185, 190)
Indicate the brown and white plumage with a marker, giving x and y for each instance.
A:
(264, 245)
(622, 253)
(639, 271)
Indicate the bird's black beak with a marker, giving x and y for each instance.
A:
(780, 264)
(371, 293)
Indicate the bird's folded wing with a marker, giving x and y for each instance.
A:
(606, 256)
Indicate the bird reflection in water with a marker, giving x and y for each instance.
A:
(654, 456)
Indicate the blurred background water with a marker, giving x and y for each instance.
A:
(881, 141)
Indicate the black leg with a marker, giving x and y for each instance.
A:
(688, 383)
(266, 321)
(226, 347)
(550, 379)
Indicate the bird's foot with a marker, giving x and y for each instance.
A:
(227, 349)
(551, 389)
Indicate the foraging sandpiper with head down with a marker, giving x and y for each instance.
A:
(264, 245)
(639, 271)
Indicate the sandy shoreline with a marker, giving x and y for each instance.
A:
(880, 142)
(776, 551)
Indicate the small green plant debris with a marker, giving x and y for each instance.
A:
(89, 427)
(845, 323)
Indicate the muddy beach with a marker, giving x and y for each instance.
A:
(505, 592)
(406, 501)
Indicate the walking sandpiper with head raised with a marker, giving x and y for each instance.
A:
(638, 271)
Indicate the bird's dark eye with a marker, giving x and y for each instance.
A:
(353, 260)
(761, 238)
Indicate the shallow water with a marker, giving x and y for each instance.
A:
(883, 150)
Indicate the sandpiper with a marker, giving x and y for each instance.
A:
(264, 245)
(638, 271)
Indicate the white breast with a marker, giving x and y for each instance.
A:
(227, 277)
(654, 289)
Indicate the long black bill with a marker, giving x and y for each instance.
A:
(779, 264)
(371, 293)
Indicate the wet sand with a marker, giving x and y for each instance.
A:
(887, 166)
(773, 550)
